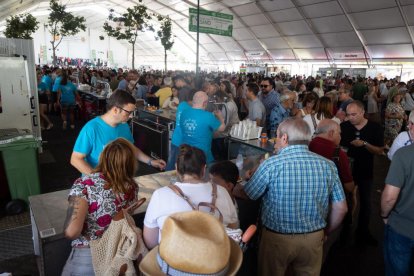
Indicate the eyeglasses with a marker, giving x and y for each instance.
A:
(264, 85)
(127, 111)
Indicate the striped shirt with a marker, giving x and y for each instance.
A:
(297, 186)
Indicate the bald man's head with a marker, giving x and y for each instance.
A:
(330, 130)
(200, 99)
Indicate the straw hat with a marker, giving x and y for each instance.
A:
(194, 243)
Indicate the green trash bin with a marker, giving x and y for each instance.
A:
(21, 166)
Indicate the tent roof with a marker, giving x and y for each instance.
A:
(295, 30)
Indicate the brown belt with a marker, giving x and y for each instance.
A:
(275, 232)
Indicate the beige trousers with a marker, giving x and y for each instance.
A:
(302, 253)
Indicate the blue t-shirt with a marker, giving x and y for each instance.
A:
(42, 88)
(95, 135)
(198, 127)
(46, 79)
(177, 136)
(56, 84)
(67, 95)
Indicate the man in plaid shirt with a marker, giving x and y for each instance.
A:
(298, 189)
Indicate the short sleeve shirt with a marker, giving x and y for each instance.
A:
(198, 127)
(401, 175)
(257, 111)
(95, 135)
(177, 134)
(363, 159)
(103, 205)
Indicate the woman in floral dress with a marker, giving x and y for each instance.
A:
(394, 117)
(95, 198)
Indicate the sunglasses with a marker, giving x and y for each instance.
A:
(264, 85)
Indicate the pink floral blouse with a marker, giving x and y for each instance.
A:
(103, 205)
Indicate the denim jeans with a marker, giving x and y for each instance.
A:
(398, 251)
(79, 263)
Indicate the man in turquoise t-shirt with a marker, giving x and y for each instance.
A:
(198, 125)
(97, 133)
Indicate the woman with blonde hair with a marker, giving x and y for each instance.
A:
(95, 198)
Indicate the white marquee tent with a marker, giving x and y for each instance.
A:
(287, 31)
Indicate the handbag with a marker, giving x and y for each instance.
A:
(121, 247)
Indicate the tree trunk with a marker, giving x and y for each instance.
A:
(133, 55)
(54, 54)
(165, 60)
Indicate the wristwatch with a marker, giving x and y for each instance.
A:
(365, 143)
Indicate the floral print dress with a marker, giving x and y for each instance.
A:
(393, 126)
(103, 205)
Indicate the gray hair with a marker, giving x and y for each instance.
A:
(297, 131)
(325, 126)
(287, 95)
(411, 116)
(168, 81)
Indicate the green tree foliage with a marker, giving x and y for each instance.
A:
(21, 26)
(62, 23)
(164, 34)
(128, 25)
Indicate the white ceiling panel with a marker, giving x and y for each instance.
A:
(304, 41)
(236, 55)
(263, 31)
(322, 9)
(275, 43)
(275, 5)
(219, 56)
(391, 51)
(344, 39)
(230, 46)
(378, 19)
(232, 3)
(310, 2)
(242, 34)
(236, 23)
(409, 11)
(205, 39)
(248, 9)
(331, 24)
(220, 38)
(363, 5)
(318, 53)
(213, 48)
(406, 2)
(285, 15)
(254, 20)
(387, 36)
(251, 45)
(295, 28)
(282, 54)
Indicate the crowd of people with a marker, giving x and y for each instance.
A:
(327, 132)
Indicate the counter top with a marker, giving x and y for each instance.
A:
(255, 143)
(100, 97)
(168, 114)
(49, 210)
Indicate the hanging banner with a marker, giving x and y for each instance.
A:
(43, 54)
(93, 54)
(211, 22)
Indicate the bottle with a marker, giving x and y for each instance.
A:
(263, 138)
(239, 161)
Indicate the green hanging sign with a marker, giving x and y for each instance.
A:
(211, 22)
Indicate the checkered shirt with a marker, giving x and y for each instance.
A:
(297, 186)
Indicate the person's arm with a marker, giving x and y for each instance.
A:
(221, 119)
(388, 199)
(75, 217)
(371, 148)
(150, 236)
(78, 161)
(141, 156)
(336, 215)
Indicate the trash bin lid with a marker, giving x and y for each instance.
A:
(10, 135)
